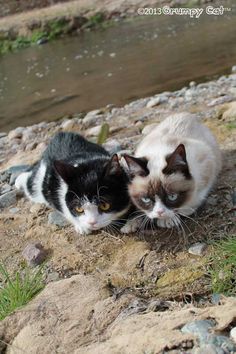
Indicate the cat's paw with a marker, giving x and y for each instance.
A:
(130, 226)
(82, 230)
(167, 223)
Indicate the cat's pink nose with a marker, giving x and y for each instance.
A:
(92, 222)
(160, 212)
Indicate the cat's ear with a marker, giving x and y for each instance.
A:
(65, 171)
(136, 166)
(177, 161)
(113, 167)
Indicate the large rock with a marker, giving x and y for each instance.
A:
(79, 316)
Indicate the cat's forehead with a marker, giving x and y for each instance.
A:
(153, 185)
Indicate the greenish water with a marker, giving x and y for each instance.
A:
(132, 59)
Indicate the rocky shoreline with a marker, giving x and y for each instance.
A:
(40, 25)
(122, 288)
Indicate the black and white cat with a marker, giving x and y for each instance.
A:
(79, 179)
(173, 171)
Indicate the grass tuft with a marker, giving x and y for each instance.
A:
(16, 291)
(223, 267)
(103, 134)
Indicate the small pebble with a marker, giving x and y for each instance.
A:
(215, 298)
(16, 133)
(54, 276)
(156, 101)
(91, 118)
(68, 124)
(197, 249)
(192, 84)
(233, 334)
(55, 218)
(14, 210)
(94, 131)
(34, 254)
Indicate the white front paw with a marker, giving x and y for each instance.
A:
(168, 223)
(130, 226)
(82, 230)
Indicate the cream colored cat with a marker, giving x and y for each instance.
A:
(174, 168)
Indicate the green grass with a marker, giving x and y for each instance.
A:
(223, 267)
(54, 29)
(103, 134)
(231, 125)
(16, 291)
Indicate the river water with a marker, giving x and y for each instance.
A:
(132, 59)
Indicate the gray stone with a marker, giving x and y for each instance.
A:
(7, 199)
(69, 124)
(198, 328)
(34, 254)
(16, 133)
(14, 210)
(5, 188)
(234, 69)
(94, 131)
(112, 146)
(223, 342)
(54, 276)
(197, 249)
(215, 298)
(220, 100)
(55, 218)
(2, 135)
(91, 117)
(208, 349)
(156, 101)
(192, 84)
(233, 334)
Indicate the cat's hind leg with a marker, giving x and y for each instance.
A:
(31, 183)
(21, 182)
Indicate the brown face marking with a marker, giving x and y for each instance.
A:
(149, 188)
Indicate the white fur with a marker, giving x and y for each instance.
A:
(203, 157)
(21, 183)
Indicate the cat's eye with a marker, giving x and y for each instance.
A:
(172, 197)
(145, 200)
(79, 210)
(104, 206)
